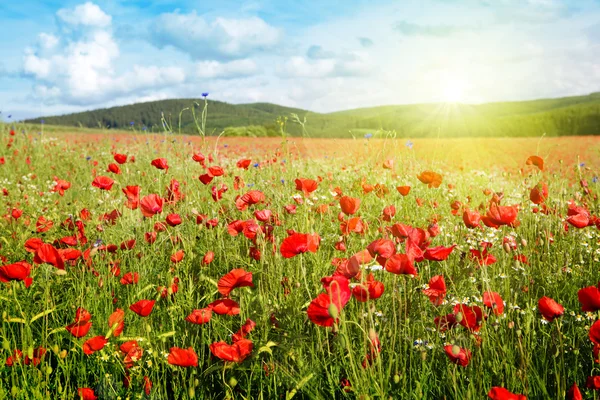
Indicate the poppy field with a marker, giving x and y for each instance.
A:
(140, 266)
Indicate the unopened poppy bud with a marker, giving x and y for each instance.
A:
(6, 345)
(506, 247)
(423, 355)
(191, 392)
(196, 382)
(4, 315)
(60, 272)
(518, 332)
(148, 328)
(30, 352)
(63, 354)
(541, 242)
(459, 317)
(48, 370)
(511, 324)
(455, 350)
(55, 349)
(233, 382)
(14, 391)
(396, 378)
(170, 291)
(333, 311)
(524, 242)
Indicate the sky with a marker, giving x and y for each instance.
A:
(63, 56)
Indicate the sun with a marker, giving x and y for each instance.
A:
(454, 91)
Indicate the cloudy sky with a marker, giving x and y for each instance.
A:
(61, 56)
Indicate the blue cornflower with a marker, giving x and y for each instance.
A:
(144, 128)
(368, 135)
(582, 164)
(256, 165)
(88, 158)
(42, 122)
(283, 181)
(132, 123)
(225, 145)
(595, 179)
(205, 94)
(250, 184)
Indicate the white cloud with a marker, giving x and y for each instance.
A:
(222, 38)
(88, 14)
(322, 64)
(226, 70)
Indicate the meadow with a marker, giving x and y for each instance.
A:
(163, 266)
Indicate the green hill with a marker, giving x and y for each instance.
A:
(578, 115)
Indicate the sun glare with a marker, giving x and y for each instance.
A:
(454, 91)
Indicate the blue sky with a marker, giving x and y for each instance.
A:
(326, 55)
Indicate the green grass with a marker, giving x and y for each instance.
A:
(292, 357)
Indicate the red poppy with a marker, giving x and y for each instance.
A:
(94, 344)
(439, 253)
(243, 331)
(60, 186)
(133, 196)
(147, 385)
(403, 190)
(43, 225)
(500, 215)
(244, 163)
(177, 256)
(469, 316)
(36, 358)
(225, 307)
(120, 158)
(103, 182)
(199, 317)
(549, 308)
(151, 205)
(182, 357)
(206, 178)
(82, 323)
(574, 393)
(500, 393)
(432, 179)
(458, 355)
(349, 205)
(160, 163)
(208, 258)
(143, 308)
(578, 216)
(400, 264)
(130, 278)
(116, 322)
(199, 158)
(235, 352)
(355, 225)
(436, 290)
(236, 278)
(173, 219)
(46, 253)
(114, 168)
(307, 186)
(86, 394)
(382, 249)
(18, 271)
(594, 333)
(482, 256)
(494, 301)
(537, 161)
(249, 199)
(539, 193)
(589, 298)
(298, 243)
(15, 358)
(593, 382)
(369, 290)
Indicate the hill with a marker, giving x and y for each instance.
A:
(576, 115)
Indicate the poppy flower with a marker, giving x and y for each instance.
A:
(236, 278)
(206, 178)
(43, 224)
(31, 245)
(18, 271)
(86, 394)
(46, 253)
(15, 358)
(307, 186)
(199, 158)
(151, 205)
(94, 344)
(535, 160)
(403, 190)
(469, 317)
(500, 393)
(235, 352)
(120, 158)
(215, 170)
(549, 308)
(199, 317)
(60, 186)
(130, 278)
(177, 256)
(500, 215)
(593, 382)
(400, 264)
(243, 331)
(143, 308)
(182, 357)
(589, 298)
(355, 225)
(539, 193)
(147, 385)
(225, 307)
(432, 179)
(382, 249)
(248, 199)
(132, 352)
(116, 322)
(298, 243)
(103, 182)
(349, 205)
(458, 355)
(133, 196)
(578, 216)
(114, 168)
(436, 290)
(208, 258)
(244, 163)
(36, 358)
(574, 393)
(369, 290)
(594, 333)
(482, 256)
(439, 253)
(82, 323)
(160, 163)
(494, 301)
(173, 219)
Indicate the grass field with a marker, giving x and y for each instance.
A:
(163, 266)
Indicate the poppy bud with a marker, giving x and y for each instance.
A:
(455, 350)
(30, 352)
(459, 317)
(6, 345)
(524, 242)
(396, 378)
(333, 311)
(55, 349)
(148, 327)
(196, 382)
(63, 354)
(48, 370)
(233, 382)
(14, 391)
(506, 247)
(191, 392)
